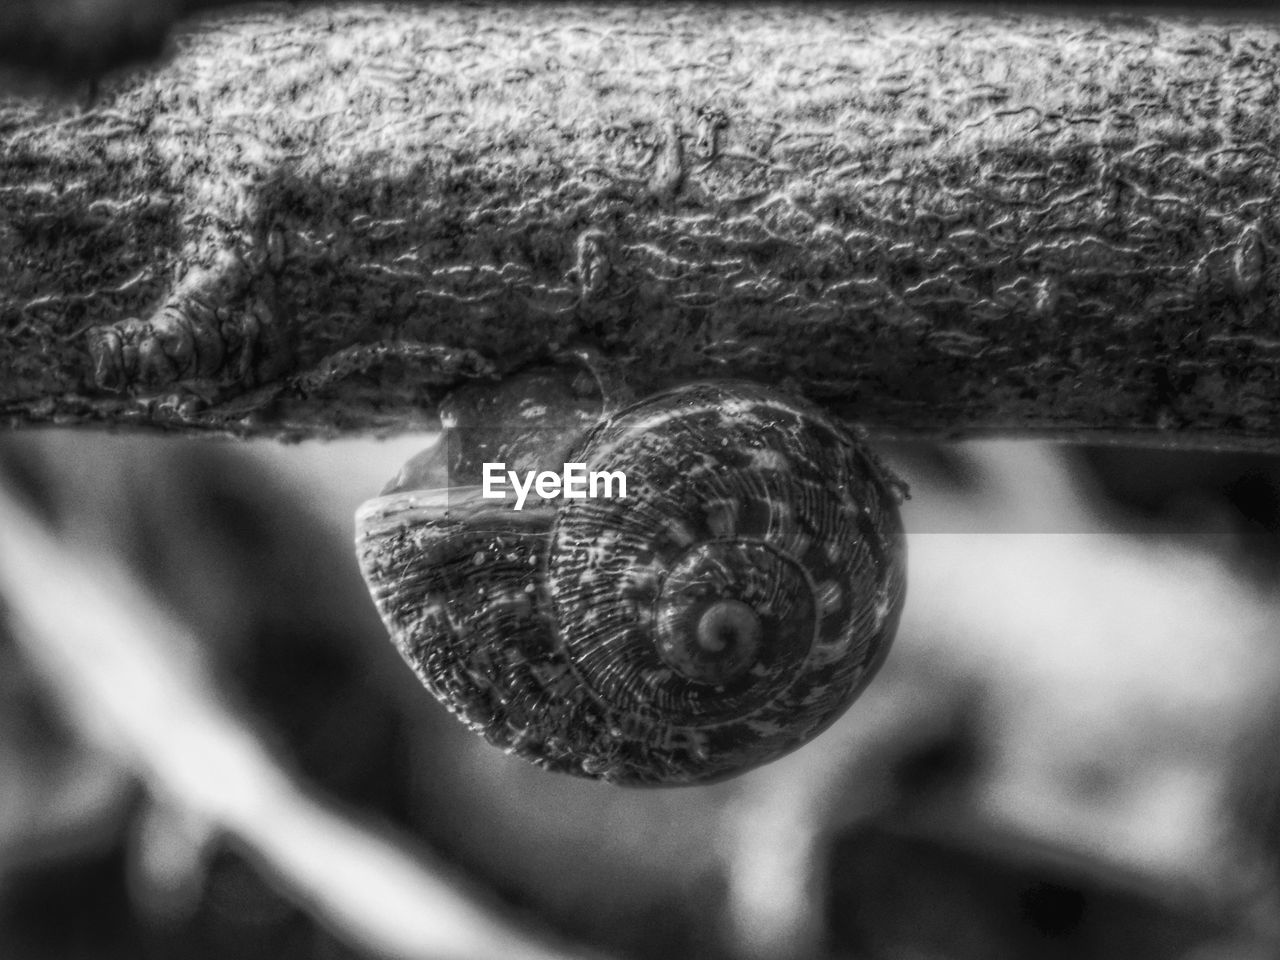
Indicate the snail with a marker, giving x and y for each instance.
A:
(721, 613)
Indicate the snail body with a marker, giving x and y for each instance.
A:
(722, 613)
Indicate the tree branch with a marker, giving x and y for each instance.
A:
(937, 223)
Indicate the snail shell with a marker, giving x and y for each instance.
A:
(724, 612)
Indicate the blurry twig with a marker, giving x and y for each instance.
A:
(128, 672)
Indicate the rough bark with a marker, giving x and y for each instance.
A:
(67, 46)
(318, 220)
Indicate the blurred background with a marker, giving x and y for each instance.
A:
(1069, 753)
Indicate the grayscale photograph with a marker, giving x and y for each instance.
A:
(630, 481)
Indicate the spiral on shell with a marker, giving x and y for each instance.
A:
(722, 613)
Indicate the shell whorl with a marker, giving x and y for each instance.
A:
(723, 612)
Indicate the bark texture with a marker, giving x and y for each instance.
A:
(68, 45)
(314, 220)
